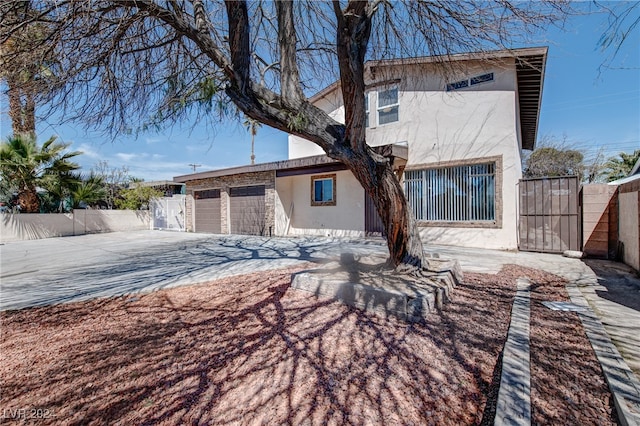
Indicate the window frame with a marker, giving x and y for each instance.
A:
(367, 116)
(497, 192)
(333, 178)
(206, 194)
(379, 107)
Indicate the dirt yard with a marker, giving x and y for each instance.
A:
(248, 350)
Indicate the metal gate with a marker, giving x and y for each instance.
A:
(373, 225)
(549, 214)
(168, 213)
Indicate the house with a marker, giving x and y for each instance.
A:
(455, 139)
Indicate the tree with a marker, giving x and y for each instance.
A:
(137, 198)
(623, 20)
(549, 161)
(619, 167)
(252, 126)
(127, 60)
(113, 179)
(89, 192)
(25, 66)
(25, 166)
(59, 184)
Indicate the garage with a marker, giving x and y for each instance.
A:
(247, 210)
(207, 211)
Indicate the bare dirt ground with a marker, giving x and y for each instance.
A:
(248, 350)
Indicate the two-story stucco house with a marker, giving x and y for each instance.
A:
(455, 139)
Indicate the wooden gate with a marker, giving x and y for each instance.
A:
(549, 215)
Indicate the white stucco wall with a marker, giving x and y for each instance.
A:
(440, 127)
(346, 218)
(17, 227)
(629, 225)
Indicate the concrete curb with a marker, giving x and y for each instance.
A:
(514, 396)
(623, 384)
(410, 299)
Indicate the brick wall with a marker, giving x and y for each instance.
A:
(223, 183)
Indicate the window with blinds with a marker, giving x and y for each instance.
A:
(453, 194)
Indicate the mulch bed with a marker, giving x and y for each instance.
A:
(249, 350)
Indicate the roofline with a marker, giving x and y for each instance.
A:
(262, 167)
(491, 54)
(153, 183)
(420, 60)
(394, 150)
(542, 53)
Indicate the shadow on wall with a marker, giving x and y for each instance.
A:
(19, 227)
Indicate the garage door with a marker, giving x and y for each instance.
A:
(207, 207)
(247, 210)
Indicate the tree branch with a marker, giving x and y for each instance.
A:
(289, 76)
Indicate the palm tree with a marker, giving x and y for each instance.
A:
(89, 191)
(26, 66)
(60, 184)
(24, 165)
(252, 125)
(619, 167)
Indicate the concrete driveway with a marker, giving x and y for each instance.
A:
(58, 270)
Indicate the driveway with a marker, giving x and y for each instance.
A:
(58, 270)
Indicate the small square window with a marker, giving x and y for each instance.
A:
(323, 190)
(388, 106)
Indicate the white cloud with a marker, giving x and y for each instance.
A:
(151, 141)
(89, 151)
(127, 157)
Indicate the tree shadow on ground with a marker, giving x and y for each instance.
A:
(250, 350)
(158, 267)
(621, 282)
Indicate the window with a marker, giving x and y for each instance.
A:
(484, 78)
(323, 190)
(209, 193)
(388, 106)
(366, 110)
(473, 81)
(457, 85)
(453, 194)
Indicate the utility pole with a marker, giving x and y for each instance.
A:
(194, 166)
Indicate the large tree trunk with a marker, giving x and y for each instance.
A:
(380, 182)
(21, 109)
(291, 112)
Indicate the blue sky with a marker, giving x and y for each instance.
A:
(593, 108)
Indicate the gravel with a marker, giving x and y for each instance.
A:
(249, 350)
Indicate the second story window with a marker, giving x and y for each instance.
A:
(366, 110)
(388, 106)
